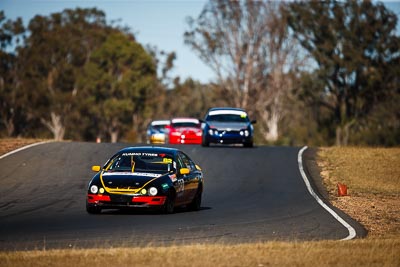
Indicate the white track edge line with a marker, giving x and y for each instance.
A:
(23, 148)
(352, 231)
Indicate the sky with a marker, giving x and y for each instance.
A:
(159, 23)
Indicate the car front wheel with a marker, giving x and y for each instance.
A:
(169, 205)
(93, 209)
(204, 142)
(248, 144)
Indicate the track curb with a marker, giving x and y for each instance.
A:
(23, 148)
(312, 173)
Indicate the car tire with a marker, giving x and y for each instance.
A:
(93, 209)
(204, 142)
(248, 144)
(195, 205)
(169, 204)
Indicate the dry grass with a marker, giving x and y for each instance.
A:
(372, 176)
(364, 170)
(323, 253)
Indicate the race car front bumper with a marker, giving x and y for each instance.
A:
(121, 201)
(228, 138)
(157, 138)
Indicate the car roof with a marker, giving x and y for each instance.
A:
(227, 110)
(177, 120)
(160, 122)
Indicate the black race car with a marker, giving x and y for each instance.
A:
(146, 177)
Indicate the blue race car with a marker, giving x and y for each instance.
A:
(227, 126)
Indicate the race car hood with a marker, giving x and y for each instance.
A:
(224, 126)
(127, 180)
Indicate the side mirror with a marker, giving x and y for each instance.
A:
(96, 168)
(253, 121)
(198, 168)
(184, 171)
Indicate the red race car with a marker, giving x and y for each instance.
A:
(185, 131)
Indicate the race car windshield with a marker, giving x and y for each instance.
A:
(227, 118)
(141, 162)
(186, 124)
(159, 128)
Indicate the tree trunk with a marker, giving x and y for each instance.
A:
(271, 119)
(113, 131)
(114, 136)
(55, 126)
(10, 127)
(272, 134)
(343, 134)
(338, 136)
(139, 127)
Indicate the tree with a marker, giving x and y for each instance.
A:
(119, 82)
(248, 47)
(164, 63)
(12, 100)
(52, 57)
(189, 99)
(357, 56)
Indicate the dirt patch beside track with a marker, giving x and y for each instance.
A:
(10, 144)
(379, 214)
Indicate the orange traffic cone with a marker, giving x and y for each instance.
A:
(342, 190)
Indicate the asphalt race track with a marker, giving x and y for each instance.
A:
(250, 195)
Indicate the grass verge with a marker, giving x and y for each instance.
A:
(372, 176)
(323, 253)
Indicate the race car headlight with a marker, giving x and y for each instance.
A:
(244, 132)
(211, 132)
(153, 191)
(94, 189)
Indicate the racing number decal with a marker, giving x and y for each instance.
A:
(181, 185)
(167, 160)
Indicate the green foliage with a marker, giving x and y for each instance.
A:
(74, 76)
(357, 55)
(52, 57)
(12, 105)
(116, 82)
(188, 99)
(74, 65)
(381, 126)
